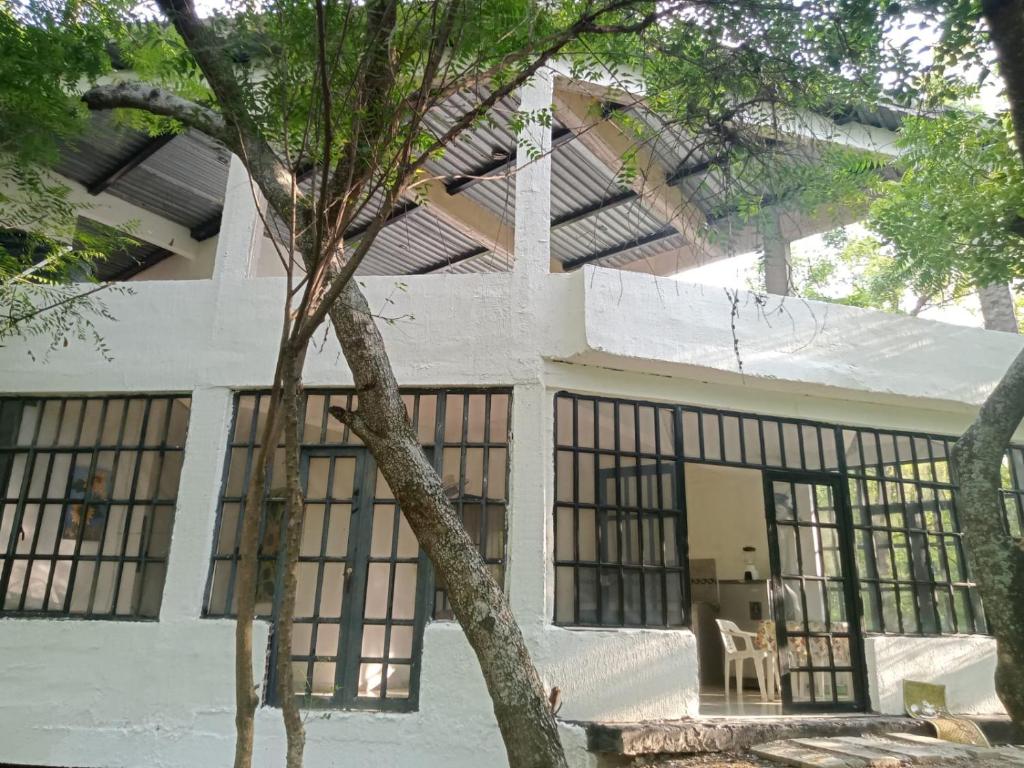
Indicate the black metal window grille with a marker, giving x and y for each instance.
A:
(357, 550)
(1013, 495)
(911, 568)
(619, 522)
(89, 489)
(913, 574)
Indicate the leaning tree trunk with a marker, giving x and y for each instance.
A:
(997, 308)
(997, 560)
(524, 717)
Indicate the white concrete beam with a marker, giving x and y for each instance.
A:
(805, 125)
(778, 270)
(196, 508)
(114, 212)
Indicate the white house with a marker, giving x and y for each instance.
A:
(634, 455)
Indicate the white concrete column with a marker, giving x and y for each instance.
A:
(530, 564)
(198, 490)
(778, 277)
(533, 179)
(240, 226)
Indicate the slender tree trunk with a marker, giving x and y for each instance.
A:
(527, 725)
(997, 559)
(291, 373)
(246, 699)
(997, 308)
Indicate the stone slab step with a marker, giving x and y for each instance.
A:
(724, 734)
(801, 756)
(875, 758)
(1002, 755)
(888, 751)
(906, 751)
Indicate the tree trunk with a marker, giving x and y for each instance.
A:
(291, 374)
(997, 308)
(246, 700)
(526, 722)
(1005, 20)
(997, 560)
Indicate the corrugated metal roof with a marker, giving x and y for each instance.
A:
(183, 182)
(478, 146)
(130, 259)
(643, 252)
(418, 241)
(484, 262)
(577, 183)
(99, 150)
(607, 229)
(498, 196)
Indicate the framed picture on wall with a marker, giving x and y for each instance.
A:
(85, 515)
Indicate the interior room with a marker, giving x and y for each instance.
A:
(729, 577)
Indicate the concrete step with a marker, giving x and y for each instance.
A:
(888, 751)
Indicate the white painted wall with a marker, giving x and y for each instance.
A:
(161, 694)
(724, 513)
(965, 665)
(178, 267)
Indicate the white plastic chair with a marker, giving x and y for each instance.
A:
(735, 656)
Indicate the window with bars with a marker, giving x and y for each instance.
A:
(1013, 490)
(914, 577)
(617, 529)
(364, 589)
(619, 522)
(89, 490)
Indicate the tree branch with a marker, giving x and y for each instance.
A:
(273, 176)
(157, 101)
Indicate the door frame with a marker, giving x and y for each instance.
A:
(357, 560)
(844, 528)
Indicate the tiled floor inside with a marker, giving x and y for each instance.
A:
(714, 704)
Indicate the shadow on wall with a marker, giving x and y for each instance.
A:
(621, 675)
(965, 665)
